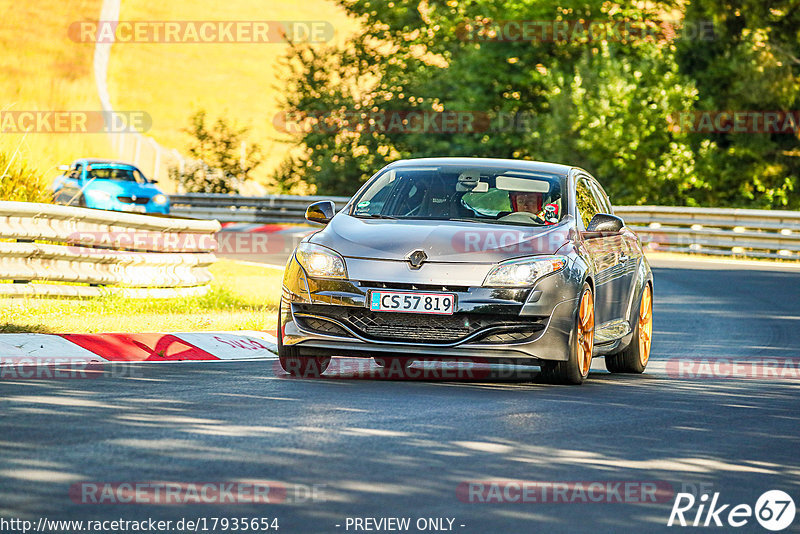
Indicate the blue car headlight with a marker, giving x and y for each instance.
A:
(160, 199)
(524, 272)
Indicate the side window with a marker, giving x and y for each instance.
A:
(602, 199)
(585, 201)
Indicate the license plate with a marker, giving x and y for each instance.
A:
(135, 208)
(396, 301)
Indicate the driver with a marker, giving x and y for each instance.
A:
(533, 203)
(526, 201)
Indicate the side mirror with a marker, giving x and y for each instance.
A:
(321, 212)
(603, 222)
(152, 181)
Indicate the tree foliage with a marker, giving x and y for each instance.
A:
(605, 105)
(219, 165)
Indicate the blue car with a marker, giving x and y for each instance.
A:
(108, 185)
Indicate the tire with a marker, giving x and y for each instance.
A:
(634, 358)
(402, 363)
(576, 368)
(296, 365)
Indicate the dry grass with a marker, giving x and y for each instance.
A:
(41, 69)
(239, 81)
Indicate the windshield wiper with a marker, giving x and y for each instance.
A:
(476, 220)
(495, 221)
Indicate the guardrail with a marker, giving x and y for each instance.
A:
(717, 231)
(235, 208)
(56, 250)
(728, 232)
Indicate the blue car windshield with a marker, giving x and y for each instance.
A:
(123, 174)
(496, 195)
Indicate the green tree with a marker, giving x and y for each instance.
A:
(751, 64)
(611, 115)
(219, 165)
(605, 106)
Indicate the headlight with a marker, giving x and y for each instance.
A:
(320, 262)
(160, 199)
(524, 272)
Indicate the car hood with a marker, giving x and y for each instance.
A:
(127, 189)
(442, 241)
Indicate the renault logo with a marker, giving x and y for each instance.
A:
(417, 258)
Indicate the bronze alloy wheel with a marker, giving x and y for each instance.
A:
(645, 325)
(585, 332)
(634, 357)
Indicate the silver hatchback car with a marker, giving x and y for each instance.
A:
(463, 258)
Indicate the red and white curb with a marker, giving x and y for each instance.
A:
(153, 347)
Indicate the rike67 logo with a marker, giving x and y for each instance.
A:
(774, 510)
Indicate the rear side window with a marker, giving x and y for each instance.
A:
(585, 202)
(602, 199)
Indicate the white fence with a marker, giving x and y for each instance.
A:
(65, 251)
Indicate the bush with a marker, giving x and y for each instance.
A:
(20, 182)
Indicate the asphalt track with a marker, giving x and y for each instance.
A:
(401, 448)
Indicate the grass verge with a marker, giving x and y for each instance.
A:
(242, 297)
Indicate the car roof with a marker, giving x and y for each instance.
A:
(517, 164)
(92, 161)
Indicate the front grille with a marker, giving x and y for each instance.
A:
(130, 200)
(410, 326)
(425, 328)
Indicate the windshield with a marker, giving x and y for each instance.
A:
(495, 195)
(124, 174)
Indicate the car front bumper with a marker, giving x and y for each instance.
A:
(520, 325)
(116, 205)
